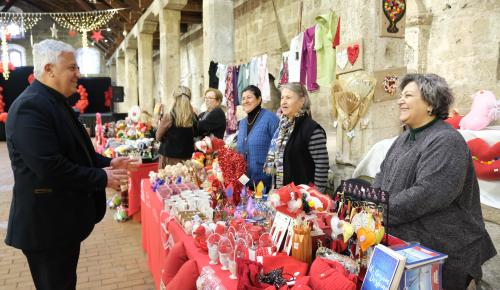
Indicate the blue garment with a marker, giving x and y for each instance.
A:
(255, 145)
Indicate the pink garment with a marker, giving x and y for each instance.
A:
(308, 64)
(232, 123)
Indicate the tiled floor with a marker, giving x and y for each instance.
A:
(111, 258)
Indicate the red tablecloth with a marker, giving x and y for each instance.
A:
(134, 186)
(152, 241)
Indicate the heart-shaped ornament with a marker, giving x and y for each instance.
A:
(342, 58)
(366, 238)
(353, 53)
(348, 231)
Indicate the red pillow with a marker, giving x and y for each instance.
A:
(326, 274)
(174, 261)
(290, 265)
(186, 278)
(486, 159)
(454, 119)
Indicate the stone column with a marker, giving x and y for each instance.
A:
(120, 78)
(169, 20)
(130, 85)
(145, 60)
(418, 27)
(218, 33)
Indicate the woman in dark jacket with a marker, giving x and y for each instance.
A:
(298, 150)
(213, 120)
(429, 175)
(177, 130)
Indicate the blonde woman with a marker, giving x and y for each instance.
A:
(176, 130)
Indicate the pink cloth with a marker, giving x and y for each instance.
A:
(308, 68)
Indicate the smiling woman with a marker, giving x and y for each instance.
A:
(429, 174)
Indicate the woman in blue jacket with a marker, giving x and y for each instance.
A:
(255, 134)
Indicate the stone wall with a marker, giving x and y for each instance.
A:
(462, 44)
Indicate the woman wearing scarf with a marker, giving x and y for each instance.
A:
(255, 134)
(298, 150)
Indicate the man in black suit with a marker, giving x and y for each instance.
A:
(60, 181)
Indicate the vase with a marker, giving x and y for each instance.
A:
(213, 254)
(232, 270)
(224, 259)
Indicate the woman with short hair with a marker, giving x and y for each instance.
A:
(177, 129)
(433, 190)
(213, 120)
(298, 150)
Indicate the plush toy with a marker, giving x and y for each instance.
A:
(486, 159)
(485, 109)
(454, 119)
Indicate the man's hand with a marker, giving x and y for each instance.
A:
(127, 163)
(115, 177)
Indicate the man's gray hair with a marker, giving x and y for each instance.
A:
(47, 51)
(435, 92)
(301, 91)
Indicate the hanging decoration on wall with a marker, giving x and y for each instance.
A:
(97, 36)
(350, 57)
(54, 31)
(83, 102)
(72, 33)
(387, 83)
(351, 98)
(392, 18)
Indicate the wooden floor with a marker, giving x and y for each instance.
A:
(111, 258)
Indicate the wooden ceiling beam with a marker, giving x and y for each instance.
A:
(85, 5)
(191, 18)
(8, 4)
(193, 6)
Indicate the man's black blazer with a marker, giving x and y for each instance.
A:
(59, 190)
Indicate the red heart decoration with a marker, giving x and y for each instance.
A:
(486, 164)
(352, 53)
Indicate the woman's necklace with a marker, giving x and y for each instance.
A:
(255, 118)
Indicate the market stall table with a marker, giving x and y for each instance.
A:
(134, 188)
(152, 215)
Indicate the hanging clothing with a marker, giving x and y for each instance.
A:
(253, 77)
(232, 123)
(243, 79)
(284, 68)
(236, 71)
(213, 80)
(323, 45)
(308, 62)
(222, 75)
(263, 85)
(295, 58)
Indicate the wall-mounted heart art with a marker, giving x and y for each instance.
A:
(392, 17)
(350, 57)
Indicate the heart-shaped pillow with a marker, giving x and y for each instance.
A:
(486, 159)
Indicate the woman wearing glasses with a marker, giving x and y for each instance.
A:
(298, 150)
(213, 120)
(255, 134)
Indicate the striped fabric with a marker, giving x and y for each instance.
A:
(319, 154)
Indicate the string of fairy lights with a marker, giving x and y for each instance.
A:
(82, 22)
